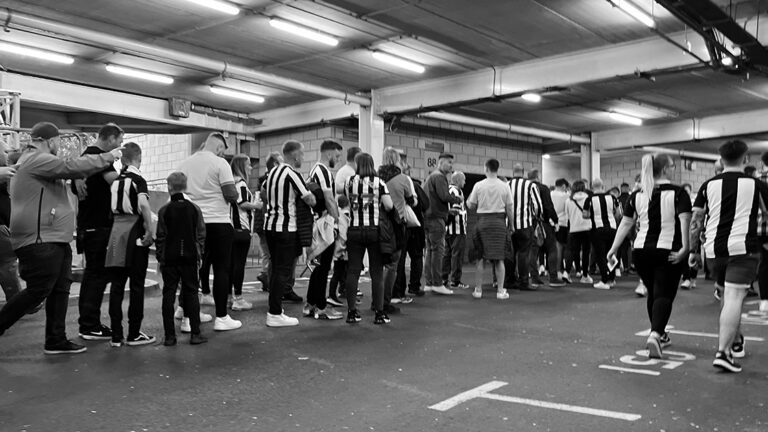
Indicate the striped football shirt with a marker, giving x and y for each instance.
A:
(457, 223)
(283, 185)
(658, 219)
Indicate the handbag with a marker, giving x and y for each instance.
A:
(411, 221)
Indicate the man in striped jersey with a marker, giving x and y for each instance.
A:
(548, 221)
(762, 232)
(317, 307)
(455, 235)
(602, 208)
(283, 185)
(526, 208)
(731, 202)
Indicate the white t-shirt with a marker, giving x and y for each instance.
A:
(206, 174)
(342, 175)
(559, 199)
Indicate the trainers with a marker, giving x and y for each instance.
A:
(334, 302)
(207, 300)
(726, 363)
(693, 283)
(406, 300)
(281, 320)
(502, 294)
(477, 293)
(587, 280)
(103, 333)
(641, 290)
(618, 272)
(763, 306)
(291, 296)
(197, 339)
(556, 282)
(654, 346)
(169, 341)
(353, 317)
(665, 341)
(686, 285)
(566, 278)
(116, 343)
(601, 286)
(718, 293)
(179, 314)
(459, 285)
(428, 288)
(308, 310)
(226, 323)
(738, 348)
(329, 313)
(141, 339)
(66, 347)
(440, 289)
(185, 328)
(536, 281)
(396, 300)
(417, 293)
(542, 270)
(381, 318)
(578, 275)
(205, 318)
(240, 304)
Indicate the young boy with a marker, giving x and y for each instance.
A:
(180, 240)
(128, 248)
(340, 252)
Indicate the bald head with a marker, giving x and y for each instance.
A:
(215, 143)
(518, 170)
(597, 185)
(458, 178)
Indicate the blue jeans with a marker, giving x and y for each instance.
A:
(47, 269)
(433, 263)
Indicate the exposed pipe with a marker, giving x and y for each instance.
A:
(141, 48)
(524, 130)
(681, 153)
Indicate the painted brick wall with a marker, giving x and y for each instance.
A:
(161, 154)
(567, 167)
(623, 168)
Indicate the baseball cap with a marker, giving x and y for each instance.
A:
(44, 131)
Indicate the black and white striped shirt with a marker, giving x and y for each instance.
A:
(323, 176)
(602, 208)
(126, 190)
(762, 219)
(364, 195)
(659, 217)
(526, 202)
(283, 185)
(457, 223)
(732, 201)
(241, 218)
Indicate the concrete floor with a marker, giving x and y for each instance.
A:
(547, 346)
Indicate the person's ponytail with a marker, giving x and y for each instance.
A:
(646, 176)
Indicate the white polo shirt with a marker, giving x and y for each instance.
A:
(206, 174)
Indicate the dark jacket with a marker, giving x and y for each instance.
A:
(180, 232)
(548, 212)
(436, 187)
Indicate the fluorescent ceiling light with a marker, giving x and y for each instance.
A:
(626, 118)
(218, 5)
(302, 31)
(223, 91)
(531, 97)
(546, 156)
(398, 61)
(635, 12)
(36, 53)
(140, 74)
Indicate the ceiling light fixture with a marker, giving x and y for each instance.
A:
(531, 97)
(635, 12)
(36, 53)
(140, 74)
(218, 5)
(546, 156)
(398, 61)
(237, 94)
(305, 32)
(626, 118)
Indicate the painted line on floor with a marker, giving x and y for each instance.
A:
(630, 370)
(483, 392)
(671, 330)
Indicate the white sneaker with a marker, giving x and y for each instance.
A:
(601, 286)
(441, 290)
(179, 314)
(477, 293)
(329, 313)
(281, 320)
(763, 306)
(185, 328)
(205, 318)
(396, 300)
(207, 300)
(308, 310)
(693, 283)
(240, 304)
(641, 290)
(578, 274)
(611, 283)
(542, 270)
(566, 278)
(686, 284)
(428, 288)
(502, 294)
(618, 272)
(587, 280)
(226, 323)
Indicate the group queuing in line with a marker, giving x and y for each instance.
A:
(382, 215)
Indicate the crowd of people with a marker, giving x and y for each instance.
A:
(360, 218)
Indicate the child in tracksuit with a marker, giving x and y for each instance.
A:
(340, 251)
(179, 243)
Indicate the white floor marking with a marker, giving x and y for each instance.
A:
(637, 371)
(670, 330)
(483, 392)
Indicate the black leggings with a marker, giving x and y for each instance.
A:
(578, 244)
(662, 278)
(239, 259)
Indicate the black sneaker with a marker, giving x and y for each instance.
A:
(737, 348)
(197, 339)
(102, 333)
(394, 310)
(141, 339)
(353, 317)
(169, 341)
(419, 293)
(556, 282)
(381, 318)
(536, 281)
(116, 342)
(725, 363)
(66, 347)
(291, 296)
(665, 341)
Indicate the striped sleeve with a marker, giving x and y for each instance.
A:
(297, 182)
(535, 200)
(323, 177)
(630, 209)
(701, 197)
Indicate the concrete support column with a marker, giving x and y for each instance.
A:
(371, 129)
(586, 161)
(595, 166)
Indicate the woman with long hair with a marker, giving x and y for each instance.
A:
(366, 193)
(578, 248)
(663, 211)
(242, 219)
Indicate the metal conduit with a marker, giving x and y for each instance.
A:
(216, 66)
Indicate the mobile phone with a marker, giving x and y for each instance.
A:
(613, 262)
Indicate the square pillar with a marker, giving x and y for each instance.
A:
(371, 129)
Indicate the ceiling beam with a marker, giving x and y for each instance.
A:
(56, 95)
(302, 115)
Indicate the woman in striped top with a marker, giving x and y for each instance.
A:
(242, 219)
(663, 212)
(366, 192)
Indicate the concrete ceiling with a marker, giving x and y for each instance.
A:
(448, 36)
